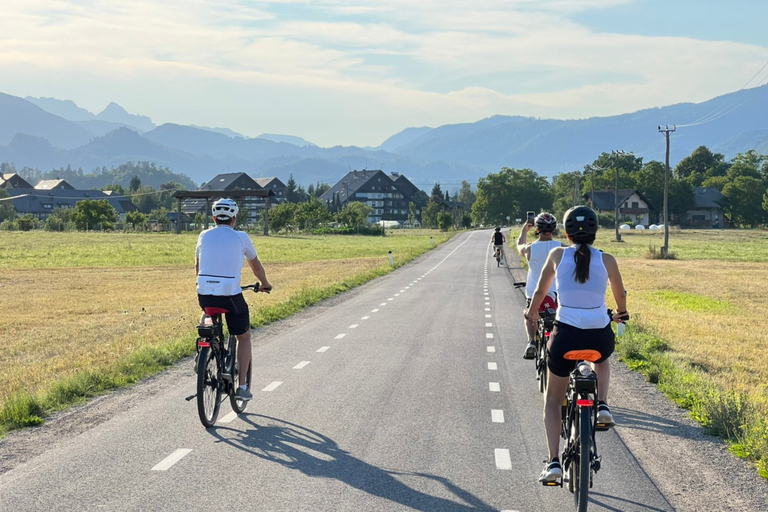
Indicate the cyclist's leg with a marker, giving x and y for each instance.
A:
(243, 356)
(603, 371)
(553, 407)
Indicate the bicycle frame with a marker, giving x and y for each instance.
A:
(213, 336)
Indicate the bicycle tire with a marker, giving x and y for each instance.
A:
(208, 388)
(580, 468)
(541, 366)
(238, 405)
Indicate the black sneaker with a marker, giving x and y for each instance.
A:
(552, 472)
(530, 351)
(604, 416)
(243, 394)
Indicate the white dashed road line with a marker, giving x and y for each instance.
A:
(493, 366)
(229, 418)
(491, 349)
(323, 349)
(495, 387)
(353, 326)
(273, 386)
(339, 336)
(301, 365)
(503, 460)
(497, 416)
(172, 459)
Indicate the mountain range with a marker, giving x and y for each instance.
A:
(48, 133)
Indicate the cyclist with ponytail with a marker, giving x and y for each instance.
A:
(581, 275)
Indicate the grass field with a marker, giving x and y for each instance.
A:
(96, 310)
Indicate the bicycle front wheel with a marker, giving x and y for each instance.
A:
(238, 405)
(541, 364)
(580, 468)
(208, 388)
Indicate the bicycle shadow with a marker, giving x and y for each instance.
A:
(316, 455)
(622, 505)
(630, 419)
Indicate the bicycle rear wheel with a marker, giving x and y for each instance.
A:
(237, 405)
(580, 467)
(208, 388)
(541, 365)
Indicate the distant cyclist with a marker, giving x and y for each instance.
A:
(536, 254)
(581, 274)
(498, 240)
(218, 264)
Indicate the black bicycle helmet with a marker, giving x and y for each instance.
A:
(580, 219)
(545, 222)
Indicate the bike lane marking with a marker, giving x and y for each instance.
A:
(493, 366)
(494, 387)
(172, 459)
(323, 349)
(229, 418)
(273, 386)
(497, 415)
(301, 365)
(503, 459)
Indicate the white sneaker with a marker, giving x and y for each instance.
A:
(552, 472)
(604, 416)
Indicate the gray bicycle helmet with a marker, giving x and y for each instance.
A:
(225, 208)
(580, 219)
(545, 222)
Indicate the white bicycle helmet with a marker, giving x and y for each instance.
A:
(225, 209)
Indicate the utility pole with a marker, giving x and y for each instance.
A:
(576, 192)
(665, 249)
(616, 154)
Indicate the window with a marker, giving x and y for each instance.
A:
(635, 204)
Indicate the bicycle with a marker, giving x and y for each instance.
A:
(217, 366)
(499, 257)
(579, 459)
(543, 331)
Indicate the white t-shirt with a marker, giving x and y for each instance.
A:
(220, 252)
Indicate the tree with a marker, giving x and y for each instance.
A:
(437, 193)
(93, 213)
(412, 214)
(135, 184)
(429, 215)
(6, 206)
(310, 214)
(444, 220)
(563, 192)
(680, 199)
(510, 192)
(290, 190)
(700, 165)
(466, 195)
(649, 180)
(744, 201)
(282, 216)
(354, 214)
(136, 219)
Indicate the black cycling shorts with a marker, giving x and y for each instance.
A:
(238, 319)
(567, 337)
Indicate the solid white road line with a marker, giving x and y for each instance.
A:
(323, 349)
(503, 460)
(229, 418)
(301, 365)
(494, 386)
(497, 416)
(172, 459)
(493, 366)
(339, 336)
(273, 386)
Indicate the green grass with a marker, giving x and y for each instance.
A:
(683, 301)
(735, 417)
(40, 249)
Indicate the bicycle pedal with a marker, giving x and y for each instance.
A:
(556, 483)
(602, 427)
(190, 397)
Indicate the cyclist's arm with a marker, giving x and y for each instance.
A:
(616, 282)
(258, 270)
(197, 266)
(545, 281)
(522, 240)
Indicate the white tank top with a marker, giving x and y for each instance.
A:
(539, 251)
(220, 251)
(582, 305)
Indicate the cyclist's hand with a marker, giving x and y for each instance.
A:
(620, 318)
(531, 316)
(266, 288)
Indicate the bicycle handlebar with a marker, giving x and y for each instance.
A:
(519, 284)
(256, 287)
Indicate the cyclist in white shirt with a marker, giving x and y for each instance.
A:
(536, 254)
(218, 263)
(582, 274)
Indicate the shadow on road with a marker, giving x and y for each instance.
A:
(629, 419)
(316, 455)
(615, 504)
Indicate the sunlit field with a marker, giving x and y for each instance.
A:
(87, 303)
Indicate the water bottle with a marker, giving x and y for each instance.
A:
(620, 328)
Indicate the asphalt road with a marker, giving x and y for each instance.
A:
(409, 393)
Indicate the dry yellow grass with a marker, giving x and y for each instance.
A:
(82, 318)
(714, 314)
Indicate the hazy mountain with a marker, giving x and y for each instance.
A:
(30, 136)
(406, 136)
(290, 139)
(116, 114)
(224, 131)
(20, 116)
(62, 108)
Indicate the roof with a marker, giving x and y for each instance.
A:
(38, 201)
(270, 182)
(13, 180)
(231, 181)
(351, 183)
(605, 200)
(707, 197)
(53, 184)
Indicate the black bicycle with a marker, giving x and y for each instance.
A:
(579, 459)
(543, 331)
(498, 256)
(217, 366)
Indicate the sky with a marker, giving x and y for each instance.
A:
(355, 72)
